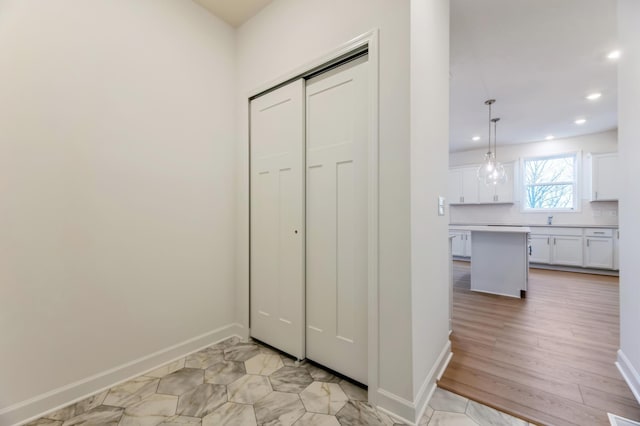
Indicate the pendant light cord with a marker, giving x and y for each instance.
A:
(495, 137)
(489, 151)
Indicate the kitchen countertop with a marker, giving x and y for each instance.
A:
(533, 226)
(493, 228)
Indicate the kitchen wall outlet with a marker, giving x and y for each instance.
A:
(440, 206)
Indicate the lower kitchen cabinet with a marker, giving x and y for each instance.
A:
(567, 250)
(598, 252)
(556, 246)
(616, 250)
(593, 248)
(461, 243)
(540, 249)
(599, 248)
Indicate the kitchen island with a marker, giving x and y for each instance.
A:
(500, 262)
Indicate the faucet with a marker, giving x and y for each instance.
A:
(549, 220)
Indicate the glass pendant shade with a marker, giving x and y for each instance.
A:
(487, 167)
(497, 177)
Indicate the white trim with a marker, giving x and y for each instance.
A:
(34, 408)
(616, 420)
(403, 409)
(369, 40)
(629, 373)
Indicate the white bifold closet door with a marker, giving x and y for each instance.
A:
(336, 219)
(277, 218)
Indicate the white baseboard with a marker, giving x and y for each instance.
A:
(33, 408)
(410, 412)
(629, 373)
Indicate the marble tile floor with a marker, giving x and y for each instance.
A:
(235, 383)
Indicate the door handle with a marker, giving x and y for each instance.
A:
(587, 242)
(529, 250)
(548, 240)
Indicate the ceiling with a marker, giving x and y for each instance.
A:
(538, 59)
(234, 12)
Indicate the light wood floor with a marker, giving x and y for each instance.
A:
(549, 358)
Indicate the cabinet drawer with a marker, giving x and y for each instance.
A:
(552, 230)
(595, 232)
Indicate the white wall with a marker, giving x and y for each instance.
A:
(600, 213)
(429, 153)
(629, 127)
(286, 35)
(117, 172)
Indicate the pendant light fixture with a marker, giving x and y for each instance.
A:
(491, 172)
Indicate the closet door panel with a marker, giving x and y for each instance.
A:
(337, 135)
(277, 218)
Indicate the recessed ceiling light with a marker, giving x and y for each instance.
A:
(594, 96)
(580, 121)
(615, 54)
(549, 138)
(475, 138)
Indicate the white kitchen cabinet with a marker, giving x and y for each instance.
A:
(567, 250)
(599, 248)
(463, 185)
(465, 188)
(616, 250)
(461, 243)
(598, 252)
(454, 186)
(501, 193)
(540, 249)
(556, 246)
(605, 177)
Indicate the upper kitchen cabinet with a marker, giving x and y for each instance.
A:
(463, 185)
(605, 177)
(501, 193)
(465, 188)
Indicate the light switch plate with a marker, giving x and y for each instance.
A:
(440, 206)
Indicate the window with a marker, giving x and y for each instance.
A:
(550, 183)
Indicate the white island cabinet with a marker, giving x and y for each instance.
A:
(500, 262)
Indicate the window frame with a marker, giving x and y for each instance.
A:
(577, 170)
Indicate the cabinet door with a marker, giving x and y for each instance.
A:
(470, 185)
(455, 186)
(567, 250)
(598, 252)
(616, 250)
(467, 243)
(458, 243)
(540, 249)
(504, 192)
(605, 177)
(486, 193)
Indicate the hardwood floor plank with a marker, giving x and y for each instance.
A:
(555, 405)
(548, 358)
(510, 407)
(512, 372)
(622, 406)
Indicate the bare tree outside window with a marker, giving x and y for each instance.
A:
(550, 183)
